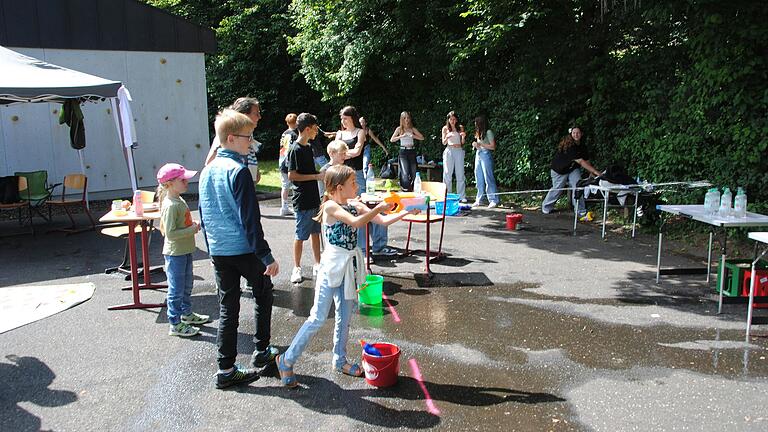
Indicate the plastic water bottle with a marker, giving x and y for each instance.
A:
(370, 349)
(726, 199)
(715, 201)
(707, 201)
(417, 184)
(740, 204)
(370, 181)
(138, 207)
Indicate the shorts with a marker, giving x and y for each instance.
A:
(305, 225)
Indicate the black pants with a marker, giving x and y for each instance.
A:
(228, 270)
(408, 168)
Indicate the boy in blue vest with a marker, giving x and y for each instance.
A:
(231, 220)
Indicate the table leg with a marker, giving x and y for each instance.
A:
(429, 273)
(634, 216)
(709, 256)
(658, 255)
(137, 304)
(145, 258)
(722, 270)
(367, 248)
(606, 195)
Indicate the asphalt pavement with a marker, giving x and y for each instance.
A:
(534, 329)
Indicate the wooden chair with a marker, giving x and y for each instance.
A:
(121, 231)
(439, 191)
(24, 203)
(76, 182)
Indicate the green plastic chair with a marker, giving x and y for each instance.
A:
(39, 191)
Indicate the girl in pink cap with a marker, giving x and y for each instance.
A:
(179, 230)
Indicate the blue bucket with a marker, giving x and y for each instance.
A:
(450, 206)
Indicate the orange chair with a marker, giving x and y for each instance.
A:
(438, 192)
(24, 203)
(77, 182)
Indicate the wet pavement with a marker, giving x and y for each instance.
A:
(534, 329)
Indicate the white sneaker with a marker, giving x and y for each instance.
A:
(315, 269)
(296, 275)
(476, 204)
(492, 205)
(285, 211)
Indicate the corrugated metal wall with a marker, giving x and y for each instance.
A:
(169, 107)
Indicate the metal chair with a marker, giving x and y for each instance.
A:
(77, 182)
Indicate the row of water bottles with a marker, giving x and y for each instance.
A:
(720, 204)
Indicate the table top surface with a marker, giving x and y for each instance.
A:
(130, 217)
(697, 212)
(760, 236)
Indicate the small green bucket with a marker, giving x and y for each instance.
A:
(371, 294)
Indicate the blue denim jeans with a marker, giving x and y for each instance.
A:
(366, 159)
(324, 297)
(558, 182)
(180, 280)
(379, 234)
(486, 183)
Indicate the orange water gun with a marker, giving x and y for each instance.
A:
(406, 201)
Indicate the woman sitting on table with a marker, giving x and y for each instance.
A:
(570, 158)
(406, 133)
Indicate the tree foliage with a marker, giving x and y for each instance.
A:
(673, 90)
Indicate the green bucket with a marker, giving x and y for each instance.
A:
(371, 295)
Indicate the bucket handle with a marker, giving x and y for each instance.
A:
(362, 287)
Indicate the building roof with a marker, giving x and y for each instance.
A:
(118, 25)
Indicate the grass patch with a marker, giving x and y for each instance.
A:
(270, 176)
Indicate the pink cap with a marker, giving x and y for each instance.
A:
(172, 171)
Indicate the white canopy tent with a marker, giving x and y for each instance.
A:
(26, 79)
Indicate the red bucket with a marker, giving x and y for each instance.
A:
(382, 371)
(513, 219)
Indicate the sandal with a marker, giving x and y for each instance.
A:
(352, 370)
(286, 372)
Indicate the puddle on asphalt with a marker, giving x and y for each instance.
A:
(505, 337)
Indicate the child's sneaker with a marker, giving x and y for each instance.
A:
(183, 329)
(315, 269)
(296, 275)
(195, 318)
(259, 359)
(237, 376)
(285, 211)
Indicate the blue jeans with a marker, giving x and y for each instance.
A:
(324, 296)
(486, 183)
(179, 271)
(379, 233)
(558, 182)
(366, 159)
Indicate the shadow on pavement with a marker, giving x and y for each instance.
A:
(26, 379)
(356, 404)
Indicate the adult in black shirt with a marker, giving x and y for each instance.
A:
(566, 166)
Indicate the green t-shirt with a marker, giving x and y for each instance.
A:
(177, 227)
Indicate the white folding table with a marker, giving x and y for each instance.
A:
(697, 213)
(606, 191)
(758, 237)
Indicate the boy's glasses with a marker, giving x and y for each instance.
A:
(250, 138)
